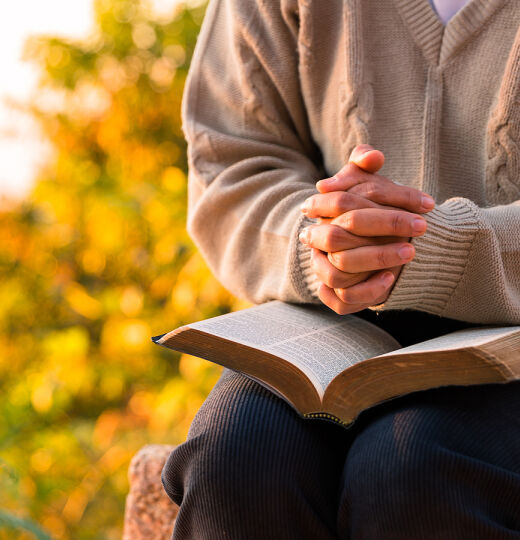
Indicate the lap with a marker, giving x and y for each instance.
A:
(482, 421)
(444, 444)
(445, 462)
(249, 454)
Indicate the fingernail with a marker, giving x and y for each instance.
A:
(427, 202)
(406, 253)
(304, 236)
(306, 206)
(387, 278)
(419, 225)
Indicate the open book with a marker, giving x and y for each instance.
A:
(331, 366)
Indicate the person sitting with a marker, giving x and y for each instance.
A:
(282, 94)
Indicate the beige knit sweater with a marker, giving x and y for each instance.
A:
(279, 93)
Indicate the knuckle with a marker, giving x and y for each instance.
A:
(397, 222)
(344, 295)
(411, 197)
(417, 198)
(338, 260)
(343, 201)
(336, 280)
(333, 258)
(337, 203)
(351, 220)
(371, 190)
(382, 258)
(329, 277)
(328, 240)
(345, 263)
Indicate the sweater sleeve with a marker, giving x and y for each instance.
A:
(467, 265)
(252, 160)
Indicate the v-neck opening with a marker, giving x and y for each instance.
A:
(466, 23)
(439, 41)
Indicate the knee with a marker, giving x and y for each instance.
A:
(396, 458)
(428, 463)
(242, 436)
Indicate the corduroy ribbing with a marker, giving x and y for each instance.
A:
(436, 464)
(440, 259)
(440, 464)
(252, 468)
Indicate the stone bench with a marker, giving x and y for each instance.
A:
(149, 513)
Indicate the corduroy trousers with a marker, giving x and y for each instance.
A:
(442, 464)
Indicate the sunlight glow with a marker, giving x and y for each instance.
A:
(22, 150)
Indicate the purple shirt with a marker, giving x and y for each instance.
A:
(447, 8)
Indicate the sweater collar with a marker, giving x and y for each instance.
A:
(437, 41)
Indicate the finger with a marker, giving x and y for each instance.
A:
(335, 203)
(366, 157)
(368, 292)
(345, 179)
(331, 238)
(330, 275)
(376, 222)
(330, 299)
(371, 258)
(391, 194)
(363, 161)
(396, 270)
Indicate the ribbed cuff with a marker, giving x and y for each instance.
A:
(427, 282)
(305, 279)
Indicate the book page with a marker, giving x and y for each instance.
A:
(472, 337)
(319, 342)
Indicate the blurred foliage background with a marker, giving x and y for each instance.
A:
(94, 262)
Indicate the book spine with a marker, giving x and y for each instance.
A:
(327, 416)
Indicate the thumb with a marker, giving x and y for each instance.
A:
(366, 157)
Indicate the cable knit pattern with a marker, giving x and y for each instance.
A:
(357, 92)
(280, 91)
(503, 170)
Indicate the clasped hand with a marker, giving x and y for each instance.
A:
(362, 239)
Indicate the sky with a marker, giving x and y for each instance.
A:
(21, 147)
